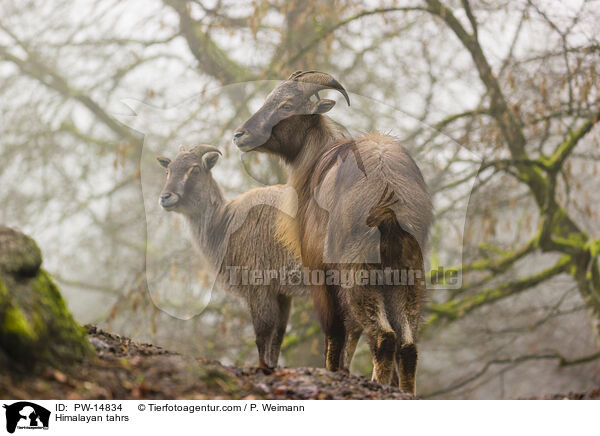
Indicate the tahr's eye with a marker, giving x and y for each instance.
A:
(286, 107)
(195, 168)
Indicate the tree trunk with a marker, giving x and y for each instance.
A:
(589, 289)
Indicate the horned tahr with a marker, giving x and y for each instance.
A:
(363, 204)
(236, 236)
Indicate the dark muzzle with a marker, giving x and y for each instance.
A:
(168, 200)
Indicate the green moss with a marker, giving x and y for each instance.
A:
(15, 323)
(50, 296)
(36, 328)
(17, 335)
(594, 248)
(3, 294)
(458, 308)
(71, 342)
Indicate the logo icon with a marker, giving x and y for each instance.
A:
(26, 415)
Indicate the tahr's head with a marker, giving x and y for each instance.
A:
(189, 181)
(285, 112)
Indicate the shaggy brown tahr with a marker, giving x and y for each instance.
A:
(236, 236)
(362, 204)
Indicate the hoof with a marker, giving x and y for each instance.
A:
(264, 369)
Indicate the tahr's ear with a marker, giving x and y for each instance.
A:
(163, 161)
(323, 105)
(210, 159)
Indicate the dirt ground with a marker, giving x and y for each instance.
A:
(124, 369)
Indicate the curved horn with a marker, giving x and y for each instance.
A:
(294, 75)
(324, 80)
(202, 149)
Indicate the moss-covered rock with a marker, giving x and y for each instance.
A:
(19, 254)
(36, 328)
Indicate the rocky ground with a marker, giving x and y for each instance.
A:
(124, 369)
(37, 331)
(593, 394)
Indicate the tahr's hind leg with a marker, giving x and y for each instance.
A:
(335, 339)
(403, 306)
(367, 307)
(406, 356)
(329, 309)
(264, 311)
(284, 304)
(395, 377)
(353, 334)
